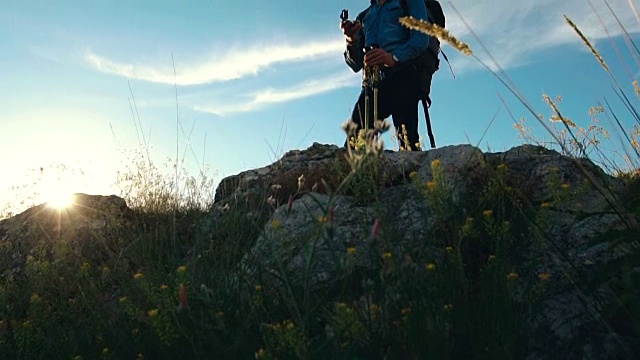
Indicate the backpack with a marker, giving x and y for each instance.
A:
(435, 15)
(427, 63)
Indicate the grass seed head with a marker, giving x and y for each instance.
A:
(435, 30)
(587, 43)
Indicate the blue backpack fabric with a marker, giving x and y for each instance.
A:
(429, 59)
(435, 15)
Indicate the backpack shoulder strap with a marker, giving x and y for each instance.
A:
(426, 103)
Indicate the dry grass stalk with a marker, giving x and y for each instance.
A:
(586, 42)
(437, 31)
(557, 117)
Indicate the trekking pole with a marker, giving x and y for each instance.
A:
(344, 15)
(375, 83)
(372, 76)
(366, 83)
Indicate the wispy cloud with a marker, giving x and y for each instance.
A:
(268, 96)
(44, 53)
(514, 34)
(232, 65)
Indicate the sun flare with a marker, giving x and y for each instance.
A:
(60, 201)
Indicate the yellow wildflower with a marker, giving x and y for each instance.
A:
(351, 250)
(545, 205)
(35, 297)
(164, 287)
(501, 166)
(258, 287)
(123, 299)
(487, 213)
(276, 224)
(105, 351)
(387, 255)
(436, 163)
(431, 185)
(181, 269)
(413, 175)
(492, 257)
(544, 276)
(153, 312)
(430, 266)
(322, 219)
(565, 186)
(512, 276)
(447, 307)
(449, 249)
(137, 276)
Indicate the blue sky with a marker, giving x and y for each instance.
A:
(255, 79)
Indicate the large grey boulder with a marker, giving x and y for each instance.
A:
(303, 244)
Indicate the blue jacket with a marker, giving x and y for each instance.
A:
(381, 27)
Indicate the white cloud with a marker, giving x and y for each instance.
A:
(234, 64)
(514, 32)
(270, 95)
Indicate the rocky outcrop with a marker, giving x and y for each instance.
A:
(563, 205)
(93, 226)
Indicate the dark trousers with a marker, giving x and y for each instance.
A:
(398, 96)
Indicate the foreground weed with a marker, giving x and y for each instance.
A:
(437, 31)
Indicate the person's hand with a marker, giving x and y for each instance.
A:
(378, 56)
(350, 29)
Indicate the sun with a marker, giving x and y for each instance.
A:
(60, 200)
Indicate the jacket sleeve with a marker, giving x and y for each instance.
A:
(418, 41)
(353, 55)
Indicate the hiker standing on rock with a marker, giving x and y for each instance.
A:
(393, 48)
